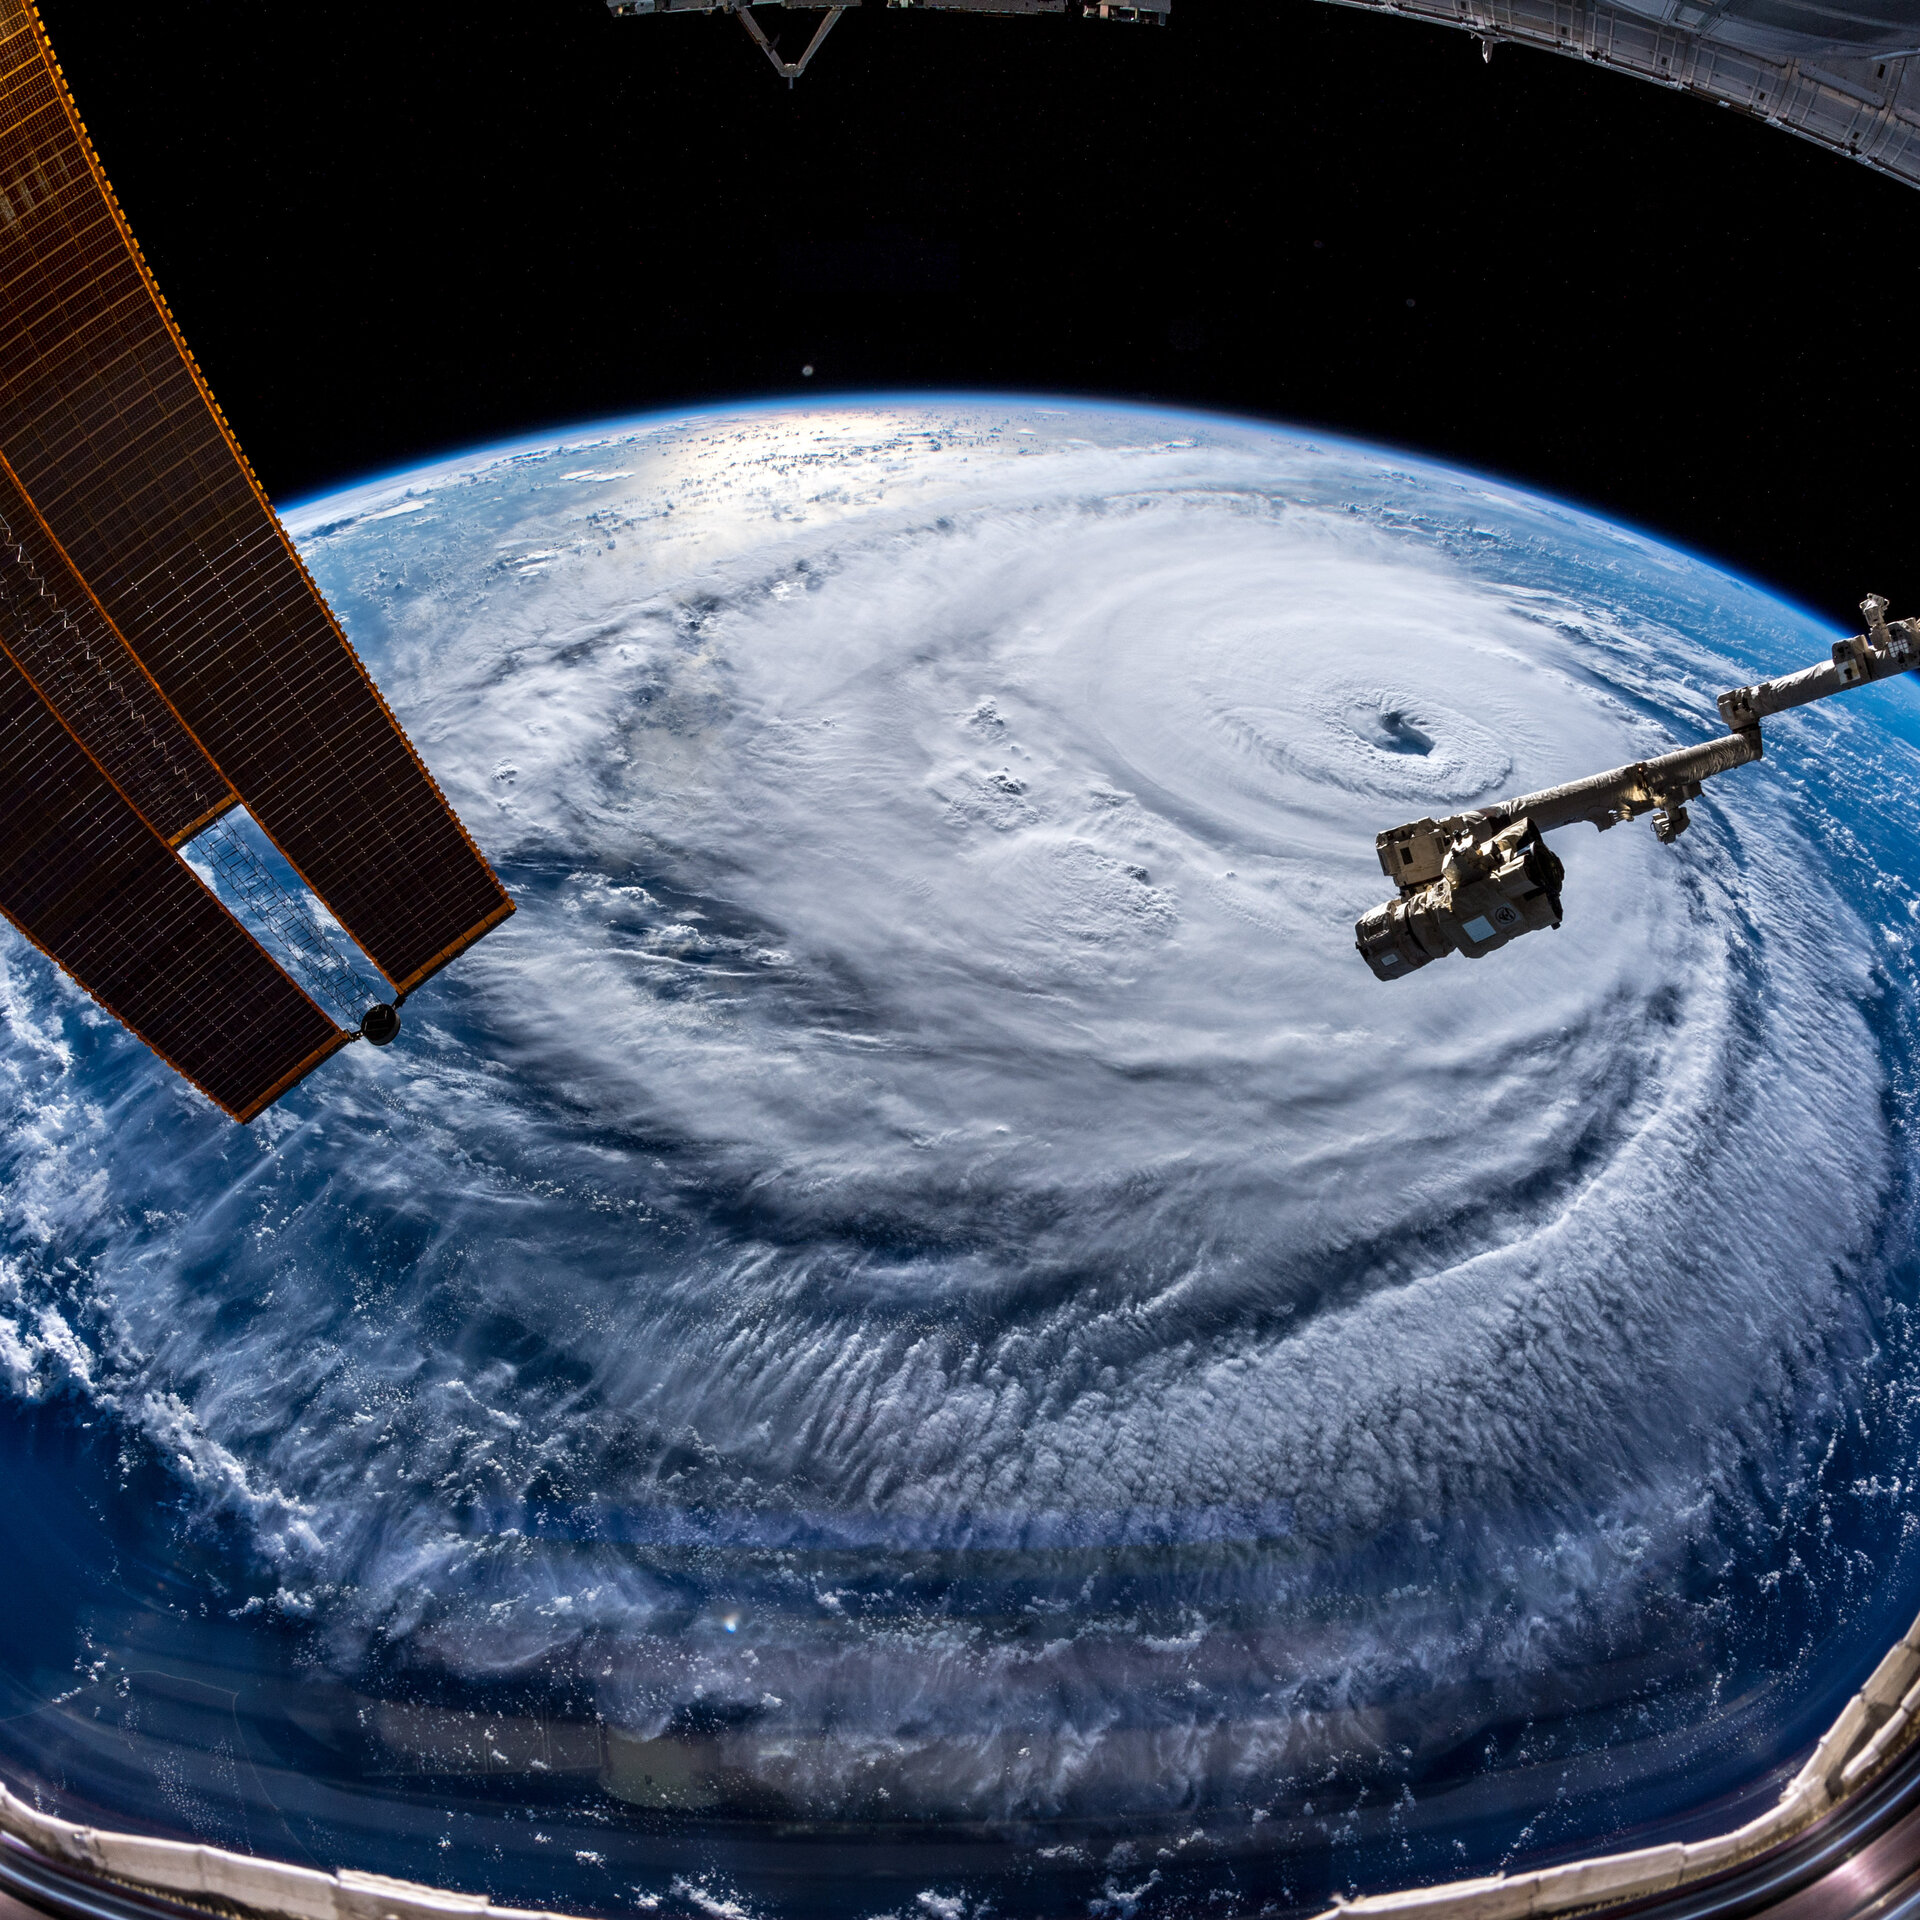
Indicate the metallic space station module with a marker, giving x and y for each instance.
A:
(1844, 74)
(1474, 881)
(165, 659)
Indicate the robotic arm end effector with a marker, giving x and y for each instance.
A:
(1472, 883)
(1495, 881)
(1886, 648)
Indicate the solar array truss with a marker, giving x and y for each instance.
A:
(168, 657)
(1155, 11)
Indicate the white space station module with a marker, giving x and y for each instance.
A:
(1842, 73)
(1475, 881)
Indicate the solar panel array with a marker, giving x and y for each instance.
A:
(91, 883)
(88, 675)
(157, 608)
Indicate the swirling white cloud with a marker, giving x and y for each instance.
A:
(929, 1094)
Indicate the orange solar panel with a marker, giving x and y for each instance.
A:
(108, 426)
(95, 888)
(88, 675)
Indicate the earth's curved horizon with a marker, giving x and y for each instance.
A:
(918, 1289)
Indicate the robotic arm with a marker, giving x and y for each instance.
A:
(1472, 882)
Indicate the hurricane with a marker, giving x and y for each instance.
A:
(919, 1288)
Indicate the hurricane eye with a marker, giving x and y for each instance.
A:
(1398, 734)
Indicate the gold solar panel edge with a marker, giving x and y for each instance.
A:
(455, 948)
(291, 1078)
(194, 827)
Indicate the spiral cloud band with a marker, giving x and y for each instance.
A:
(920, 1266)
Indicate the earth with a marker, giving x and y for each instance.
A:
(916, 1334)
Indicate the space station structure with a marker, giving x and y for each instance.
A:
(1155, 12)
(1476, 881)
(1844, 74)
(166, 659)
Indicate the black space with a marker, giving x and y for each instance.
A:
(391, 231)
